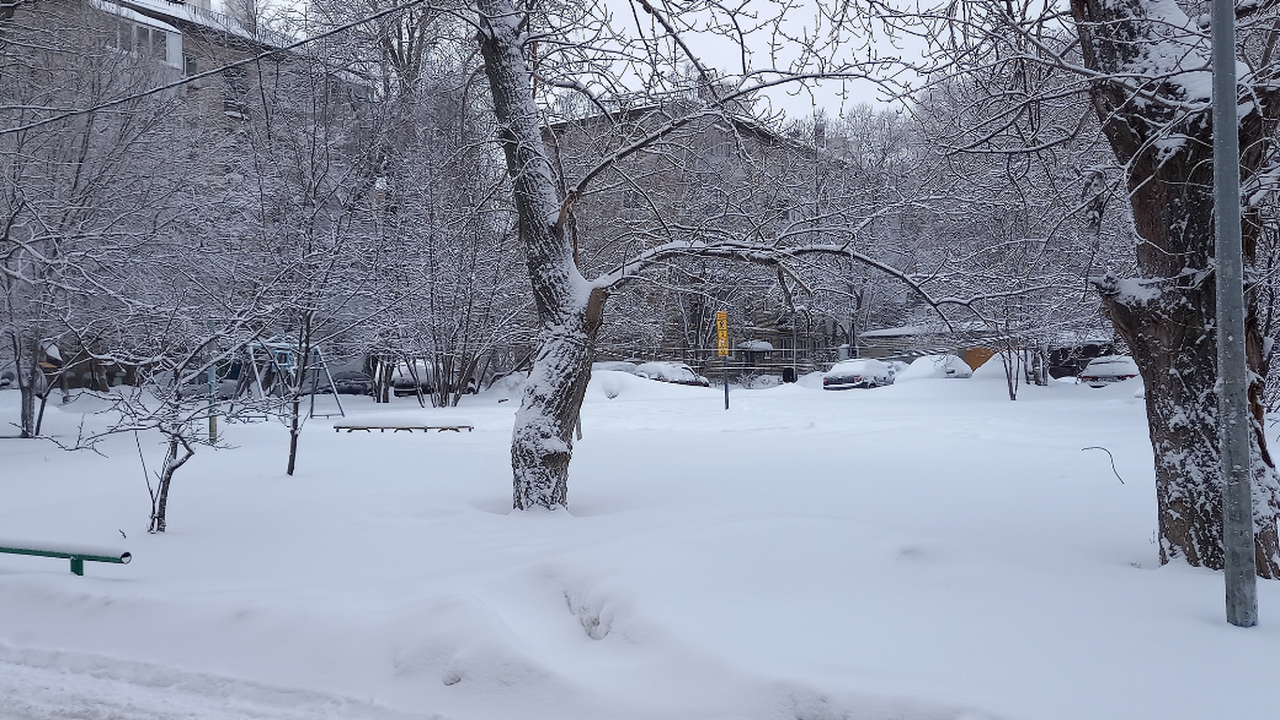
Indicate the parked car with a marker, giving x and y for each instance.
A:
(1108, 369)
(616, 366)
(672, 372)
(352, 382)
(859, 373)
(409, 380)
(936, 366)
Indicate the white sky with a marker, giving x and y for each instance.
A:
(796, 102)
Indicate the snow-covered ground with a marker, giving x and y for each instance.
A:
(924, 551)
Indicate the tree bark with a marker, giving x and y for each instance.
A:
(570, 310)
(295, 430)
(1167, 315)
(160, 499)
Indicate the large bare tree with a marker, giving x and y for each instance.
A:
(568, 48)
(1143, 66)
(1155, 114)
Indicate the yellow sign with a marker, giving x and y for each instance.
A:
(722, 334)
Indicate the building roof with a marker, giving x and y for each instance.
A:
(133, 16)
(189, 14)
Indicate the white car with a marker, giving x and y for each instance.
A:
(672, 372)
(860, 373)
(1108, 369)
(616, 366)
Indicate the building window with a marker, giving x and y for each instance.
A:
(148, 42)
(159, 45)
(124, 39)
(235, 92)
(189, 64)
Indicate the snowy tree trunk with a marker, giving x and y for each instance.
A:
(178, 454)
(29, 378)
(570, 310)
(1167, 314)
(295, 430)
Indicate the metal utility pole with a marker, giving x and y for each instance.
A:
(1233, 388)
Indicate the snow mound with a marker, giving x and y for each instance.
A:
(935, 366)
(992, 369)
(505, 388)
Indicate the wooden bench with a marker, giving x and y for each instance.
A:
(406, 428)
(77, 555)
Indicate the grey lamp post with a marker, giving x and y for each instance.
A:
(1233, 388)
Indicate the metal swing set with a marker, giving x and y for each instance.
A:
(266, 368)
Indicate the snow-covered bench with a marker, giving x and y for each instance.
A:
(76, 554)
(406, 427)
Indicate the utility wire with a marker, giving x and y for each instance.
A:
(210, 73)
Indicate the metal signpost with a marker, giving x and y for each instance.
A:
(722, 349)
(1233, 388)
(213, 404)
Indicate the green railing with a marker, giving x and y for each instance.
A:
(77, 556)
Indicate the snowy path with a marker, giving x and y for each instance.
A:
(41, 685)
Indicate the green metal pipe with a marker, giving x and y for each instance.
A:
(76, 556)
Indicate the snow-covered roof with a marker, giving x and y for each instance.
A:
(756, 345)
(897, 331)
(1084, 337)
(196, 15)
(912, 330)
(133, 16)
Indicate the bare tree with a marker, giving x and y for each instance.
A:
(441, 252)
(1144, 68)
(570, 307)
(74, 195)
(304, 173)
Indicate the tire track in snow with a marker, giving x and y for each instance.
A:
(52, 685)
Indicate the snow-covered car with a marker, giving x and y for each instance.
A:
(616, 366)
(1108, 369)
(671, 372)
(860, 373)
(936, 366)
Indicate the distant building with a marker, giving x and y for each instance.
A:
(720, 175)
(972, 342)
(178, 39)
(112, 50)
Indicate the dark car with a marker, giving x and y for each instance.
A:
(412, 379)
(352, 382)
